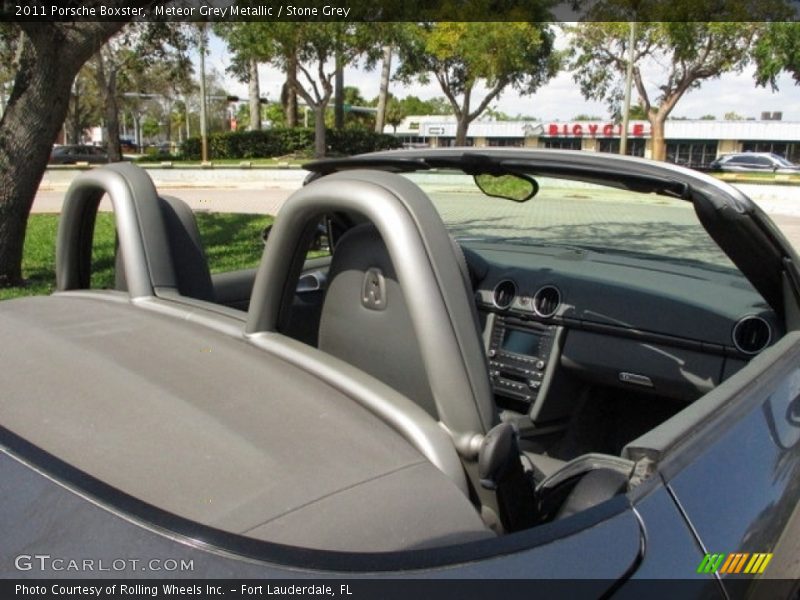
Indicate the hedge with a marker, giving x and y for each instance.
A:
(281, 142)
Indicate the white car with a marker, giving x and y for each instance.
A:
(754, 161)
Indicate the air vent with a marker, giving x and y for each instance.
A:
(504, 294)
(546, 301)
(751, 335)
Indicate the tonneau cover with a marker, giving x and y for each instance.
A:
(210, 428)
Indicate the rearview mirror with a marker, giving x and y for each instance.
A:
(518, 188)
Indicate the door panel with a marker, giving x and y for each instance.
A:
(740, 487)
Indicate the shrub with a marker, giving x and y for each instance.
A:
(280, 142)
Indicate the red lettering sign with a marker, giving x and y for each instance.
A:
(593, 129)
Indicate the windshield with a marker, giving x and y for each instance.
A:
(782, 161)
(576, 214)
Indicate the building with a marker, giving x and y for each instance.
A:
(689, 142)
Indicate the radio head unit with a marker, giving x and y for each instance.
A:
(519, 352)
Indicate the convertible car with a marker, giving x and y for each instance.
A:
(516, 364)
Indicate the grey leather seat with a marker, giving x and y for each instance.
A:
(186, 252)
(425, 341)
(365, 320)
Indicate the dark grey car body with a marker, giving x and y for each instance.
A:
(71, 154)
(254, 419)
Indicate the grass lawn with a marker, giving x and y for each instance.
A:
(232, 241)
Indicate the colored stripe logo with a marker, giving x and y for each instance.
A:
(735, 563)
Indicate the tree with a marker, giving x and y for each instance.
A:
(412, 105)
(778, 50)
(463, 55)
(85, 107)
(308, 49)
(395, 113)
(48, 57)
(708, 117)
(670, 58)
(246, 55)
(381, 116)
(279, 44)
(733, 116)
(146, 58)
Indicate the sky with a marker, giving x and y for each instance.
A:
(560, 99)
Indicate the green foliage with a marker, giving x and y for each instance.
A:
(778, 50)
(670, 58)
(353, 140)
(232, 242)
(517, 55)
(395, 113)
(282, 142)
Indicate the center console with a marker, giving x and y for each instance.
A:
(519, 354)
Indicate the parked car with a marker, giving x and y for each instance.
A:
(75, 153)
(513, 364)
(754, 161)
(128, 145)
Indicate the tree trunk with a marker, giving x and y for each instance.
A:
(74, 120)
(659, 147)
(52, 56)
(461, 130)
(188, 118)
(112, 120)
(290, 105)
(168, 106)
(338, 98)
(254, 93)
(319, 131)
(106, 76)
(383, 94)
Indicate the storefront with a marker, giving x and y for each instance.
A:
(694, 143)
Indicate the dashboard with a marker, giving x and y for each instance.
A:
(557, 317)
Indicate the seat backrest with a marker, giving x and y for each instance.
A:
(186, 247)
(187, 254)
(365, 320)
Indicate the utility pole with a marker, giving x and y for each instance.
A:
(626, 109)
(203, 125)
